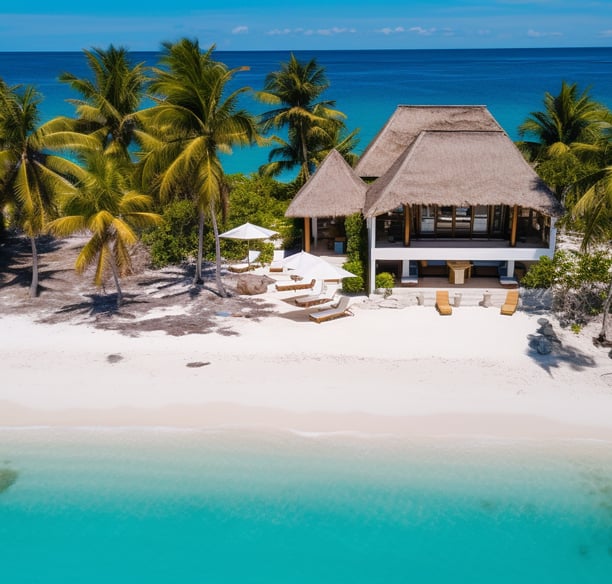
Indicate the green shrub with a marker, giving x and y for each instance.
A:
(266, 251)
(356, 284)
(356, 252)
(384, 281)
(176, 238)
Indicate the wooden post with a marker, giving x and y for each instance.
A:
(406, 225)
(514, 226)
(307, 234)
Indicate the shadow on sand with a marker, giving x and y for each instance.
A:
(549, 352)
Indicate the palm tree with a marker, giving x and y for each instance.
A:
(106, 207)
(110, 100)
(31, 177)
(191, 123)
(567, 119)
(295, 89)
(594, 205)
(286, 156)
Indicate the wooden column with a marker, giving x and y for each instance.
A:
(406, 225)
(307, 234)
(515, 210)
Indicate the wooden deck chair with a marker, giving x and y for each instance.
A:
(277, 261)
(299, 285)
(317, 296)
(442, 303)
(249, 263)
(511, 303)
(341, 309)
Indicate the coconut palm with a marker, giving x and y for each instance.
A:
(295, 89)
(594, 205)
(193, 122)
(569, 118)
(105, 207)
(286, 155)
(31, 177)
(110, 99)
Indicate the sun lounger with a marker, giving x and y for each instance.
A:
(319, 296)
(295, 285)
(510, 305)
(277, 264)
(249, 263)
(341, 309)
(442, 303)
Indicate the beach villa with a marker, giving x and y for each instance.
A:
(445, 192)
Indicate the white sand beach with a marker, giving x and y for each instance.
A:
(384, 370)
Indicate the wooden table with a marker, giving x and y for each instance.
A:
(459, 271)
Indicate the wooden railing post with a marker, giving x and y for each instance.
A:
(307, 234)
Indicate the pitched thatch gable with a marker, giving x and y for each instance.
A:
(407, 122)
(334, 190)
(461, 168)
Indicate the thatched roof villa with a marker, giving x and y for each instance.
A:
(444, 191)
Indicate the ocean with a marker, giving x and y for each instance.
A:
(226, 506)
(368, 85)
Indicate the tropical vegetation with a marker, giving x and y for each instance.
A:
(313, 127)
(122, 172)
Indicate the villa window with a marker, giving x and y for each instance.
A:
(447, 221)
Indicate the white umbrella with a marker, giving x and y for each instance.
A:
(248, 231)
(301, 261)
(311, 266)
(325, 271)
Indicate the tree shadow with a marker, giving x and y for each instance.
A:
(548, 351)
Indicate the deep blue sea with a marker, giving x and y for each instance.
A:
(368, 85)
(203, 507)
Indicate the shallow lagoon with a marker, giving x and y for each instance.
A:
(228, 506)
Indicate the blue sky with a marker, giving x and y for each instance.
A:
(317, 24)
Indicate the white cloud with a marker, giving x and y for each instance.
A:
(389, 30)
(422, 31)
(312, 32)
(606, 33)
(240, 30)
(535, 34)
(280, 31)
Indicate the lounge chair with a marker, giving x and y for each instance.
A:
(295, 285)
(442, 303)
(319, 296)
(511, 303)
(341, 309)
(249, 263)
(277, 264)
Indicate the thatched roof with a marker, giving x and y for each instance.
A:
(407, 122)
(460, 168)
(334, 190)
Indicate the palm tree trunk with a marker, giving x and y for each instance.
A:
(606, 310)
(113, 266)
(197, 279)
(34, 283)
(213, 216)
(305, 169)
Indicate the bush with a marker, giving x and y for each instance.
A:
(385, 282)
(356, 284)
(354, 226)
(578, 281)
(176, 238)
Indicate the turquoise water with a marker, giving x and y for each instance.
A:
(368, 85)
(192, 507)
